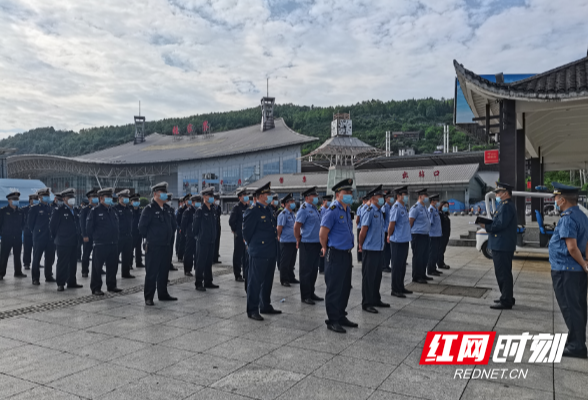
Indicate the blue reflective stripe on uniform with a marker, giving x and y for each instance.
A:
(572, 224)
(286, 221)
(374, 220)
(309, 217)
(340, 225)
(399, 215)
(435, 222)
(422, 223)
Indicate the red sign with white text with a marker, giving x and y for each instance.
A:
(457, 348)
(491, 157)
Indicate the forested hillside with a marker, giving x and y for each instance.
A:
(371, 119)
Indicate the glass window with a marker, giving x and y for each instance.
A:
(210, 179)
(230, 179)
(290, 166)
(271, 167)
(250, 173)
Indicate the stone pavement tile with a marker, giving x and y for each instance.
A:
(295, 359)
(485, 390)
(231, 327)
(151, 359)
(242, 349)
(383, 395)
(98, 306)
(472, 318)
(120, 327)
(355, 371)
(196, 341)
(213, 394)
(72, 318)
(274, 334)
(325, 389)
(23, 356)
(74, 340)
(451, 326)
(6, 343)
(9, 386)
(195, 321)
(155, 333)
(383, 335)
(408, 323)
(154, 387)
(570, 383)
(393, 353)
(258, 381)
(45, 393)
(110, 349)
(31, 331)
(524, 325)
(539, 376)
(303, 322)
(422, 312)
(52, 367)
(202, 369)
(436, 303)
(98, 380)
(573, 364)
(322, 339)
(366, 319)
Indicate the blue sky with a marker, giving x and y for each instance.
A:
(76, 64)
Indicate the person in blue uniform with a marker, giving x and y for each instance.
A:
(387, 257)
(435, 236)
(420, 226)
(125, 233)
(502, 240)
(204, 230)
(307, 233)
(236, 224)
(11, 228)
(38, 221)
(336, 237)
(193, 203)
(568, 249)
(288, 247)
(399, 237)
(261, 236)
(65, 229)
(157, 226)
(27, 243)
(359, 214)
(137, 239)
(88, 243)
(372, 241)
(446, 232)
(327, 199)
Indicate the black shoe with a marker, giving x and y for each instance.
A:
(335, 327)
(294, 281)
(210, 286)
(316, 298)
(27, 267)
(188, 274)
(140, 266)
(239, 279)
(217, 262)
(396, 294)
(201, 288)
(115, 290)
(345, 322)
(370, 309)
(428, 278)
(406, 291)
(382, 305)
(84, 275)
(434, 273)
(168, 298)
(388, 270)
(180, 259)
(513, 301)
(308, 301)
(149, 302)
(129, 276)
(20, 275)
(270, 311)
(255, 316)
(74, 286)
(501, 306)
(36, 283)
(172, 268)
(287, 284)
(60, 288)
(445, 266)
(103, 272)
(97, 292)
(420, 280)
(51, 279)
(569, 353)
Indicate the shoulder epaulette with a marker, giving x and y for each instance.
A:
(333, 207)
(304, 206)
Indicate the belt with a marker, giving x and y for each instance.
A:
(342, 251)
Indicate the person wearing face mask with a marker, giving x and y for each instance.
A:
(204, 230)
(236, 224)
(136, 235)
(125, 233)
(399, 237)
(194, 203)
(336, 236)
(38, 221)
(372, 241)
(157, 226)
(185, 202)
(65, 229)
(359, 214)
(288, 248)
(11, 228)
(502, 240)
(27, 244)
(217, 213)
(169, 208)
(387, 257)
(435, 236)
(322, 211)
(446, 232)
(88, 244)
(420, 224)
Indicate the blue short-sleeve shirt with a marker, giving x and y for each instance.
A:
(310, 219)
(340, 224)
(286, 221)
(399, 215)
(435, 222)
(422, 223)
(573, 224)
(374, 219)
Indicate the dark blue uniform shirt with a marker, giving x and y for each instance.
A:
(573, 224)
(155, 225)
(502, 232)
(102, 225)
(259, 231)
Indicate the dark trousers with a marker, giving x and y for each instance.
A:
(189, 252)
(245, 263)
(138, 250)
(309, 262)
(399, 253)
(358, 252)
(442, 248)
(371, 273)
(43, 246)
(204, 257)
(170, 252)
(570, 289)
(279, 256)
(434, 245)
(156, 271)
(260, 279)
(321, 264)
(87, 250)
(79, 249)
(287, 261)
(5, 247)
(125, 251)
(27, 248)
(67, 265)
(216, 254)
(338, 279)
(503, 270)
(181, 245)
(387, 256)
(104, 255)
(238, 249)
(420, 255)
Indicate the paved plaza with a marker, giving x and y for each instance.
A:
(204, 346)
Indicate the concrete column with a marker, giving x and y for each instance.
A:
(535, 181)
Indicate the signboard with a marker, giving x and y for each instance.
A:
(491, 157)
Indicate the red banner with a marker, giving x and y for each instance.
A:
(491, 157)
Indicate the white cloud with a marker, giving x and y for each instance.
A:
(74, 64)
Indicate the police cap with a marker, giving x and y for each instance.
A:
(85, 202)
(135, 196)
(401, 190)
(13, 195)
(241, 192)
(159, 187)
(217, 196)
(503, 187)
(422, 191)
(186, 197)
(43, 192)
(388, 193)
(264, 189)
(33, 197)
(124, 193)
(559, 188)
(91, 193)
(434, 197)
(345, 184)
(209, 191)
(196, 197)
(68, 193)
(328, 197)
(170, 196)
(377, 191)
(287, 198)
(310, 192)
(105, 192)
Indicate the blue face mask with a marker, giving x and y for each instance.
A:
(189, 202)
(163, 196)
(245, 199)
(498, 201)
(275, 202)
(427, 201)
(197, 204)
(136, 203)
(46, 199)
(380, 202)
(59, 203)
(292, 206)
(557, 206)
(328, 204)
(347, 198)
(108, 201)
(15, 203)
(95, 200)
(445, 209)
(315, 201)
(210, 200)
(405, 199)
(35, 201)
(125, 201)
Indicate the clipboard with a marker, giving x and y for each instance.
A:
(482, 220)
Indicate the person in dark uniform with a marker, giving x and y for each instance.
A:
(322, 211)
(157, 226)
(11, 228)
(87, 240)
(236, 224)
(435, 236)
(170, 209)
(185, 202)
(245, 258)
(359, 213)
(137, 239)
(102, 227)
(78, 211)
(277, 207)
(502, 240)
(568, 249)
(204, 230)
(287, 239)
(306, 230)
(446, 232)
(125, 233)
(260, 234)
(420, 226)
(399, 238)
(27, 244)
(372, 241)
(38, 221)
(65, 230)
(387, 258)
(218, 212)
(336, 237)
(186, 229)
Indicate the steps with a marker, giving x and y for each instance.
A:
(465, 240)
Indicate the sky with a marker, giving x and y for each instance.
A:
(75, 64)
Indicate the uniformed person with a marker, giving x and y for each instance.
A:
(388, 202)
(372, 241)
(125, 233)
(260, 234)
(137, 239)
(169, 208)
(287, 239)
(186, 229)
(102, 226)
(568, 249)
(358, 216)
(27, 244)
(435, 236)
(446, 232)
(336, 237)
(185, 202)
(77, 211)
(236, 224)
(277, 207)
(502, 240)
(399, 237)
(65, 230)
(420, 224)
(11, 229)
(88, 243)
(204, 230)
(322, 211)
(38, 221)
(157, 226)
(217, 212)
(307, 232)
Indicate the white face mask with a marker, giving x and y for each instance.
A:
(71, 201)
(217, 202)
